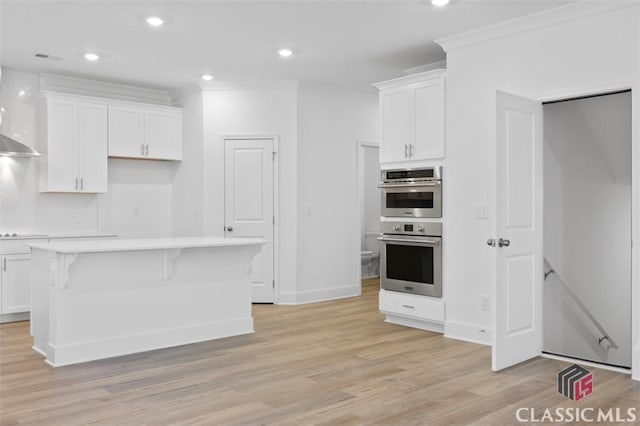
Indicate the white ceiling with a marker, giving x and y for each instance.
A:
(344, 43)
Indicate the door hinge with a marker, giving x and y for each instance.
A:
(274, 220)
(273, 284)
(274, 155)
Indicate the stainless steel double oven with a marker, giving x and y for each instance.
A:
(411, 250)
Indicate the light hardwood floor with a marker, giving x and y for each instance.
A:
(327, 363)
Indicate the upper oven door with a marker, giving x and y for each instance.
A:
(412, 200)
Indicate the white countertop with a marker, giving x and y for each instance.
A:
(81, 235)
(112, 245)
(43, 236)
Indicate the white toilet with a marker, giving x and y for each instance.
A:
(370, 255)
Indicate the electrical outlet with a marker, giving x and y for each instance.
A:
(484, 302)
(74, 218)
(136, 210)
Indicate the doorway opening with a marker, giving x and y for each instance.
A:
(587, 228)
(369, 194)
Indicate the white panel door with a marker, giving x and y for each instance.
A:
(92, 147)
(163, 131)
(62, 145)
(429, 120)
(126, 131)
(15, 283)
(249, 205)
(397, 124)
(518, 307)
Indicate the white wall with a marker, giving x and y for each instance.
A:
(330, 123)
(554, 60)
(587, 234)
(259, 110)
(188, 219)
(138, 202)
(317, 129)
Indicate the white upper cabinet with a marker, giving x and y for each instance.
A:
(126, 131)
(145, 131)
(397, 124)
(73, 138)
(163, 134)
(413, 117)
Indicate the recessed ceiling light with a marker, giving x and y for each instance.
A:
(91, 57)
(155, 21)
(285, 53)
(439, 2)
(207, 77)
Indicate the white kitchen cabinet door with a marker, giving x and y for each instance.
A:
(126, 131)
(397, 124)
(61, 146)
(15, 291)
(92, 147)
(163, 134)
(428, 111)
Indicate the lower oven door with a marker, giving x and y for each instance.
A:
(411, 264)
(423, 200)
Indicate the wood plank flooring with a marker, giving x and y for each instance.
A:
(330, 363)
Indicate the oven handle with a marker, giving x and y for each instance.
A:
(409, 185)
(410, 240)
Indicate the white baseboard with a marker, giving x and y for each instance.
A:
(467, 332)
(21, 316)
(415, 323)
(321, 295)
(91, 350)
(587, 363)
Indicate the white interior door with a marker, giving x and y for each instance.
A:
(518, 308)
(249, 205)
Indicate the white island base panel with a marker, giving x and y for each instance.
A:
(94, 305)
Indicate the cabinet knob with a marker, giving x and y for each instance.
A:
(229, 228)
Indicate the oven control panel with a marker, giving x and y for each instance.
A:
(412, 228)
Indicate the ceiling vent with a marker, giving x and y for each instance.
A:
(45, 56)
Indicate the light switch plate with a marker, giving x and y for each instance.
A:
(482, 211)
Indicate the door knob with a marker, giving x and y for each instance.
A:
(503, 243)
(491, 242)
(229, 228)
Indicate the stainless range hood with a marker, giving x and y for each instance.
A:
(12, 148)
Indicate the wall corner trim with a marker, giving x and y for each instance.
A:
(545, 18)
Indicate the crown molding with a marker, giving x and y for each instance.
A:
(545, 18)
(216, 86)
(84, 87)
(410, 79)
(426, 67)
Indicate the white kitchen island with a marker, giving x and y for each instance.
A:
(99, 299)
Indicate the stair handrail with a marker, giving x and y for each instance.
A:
(605, 340)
